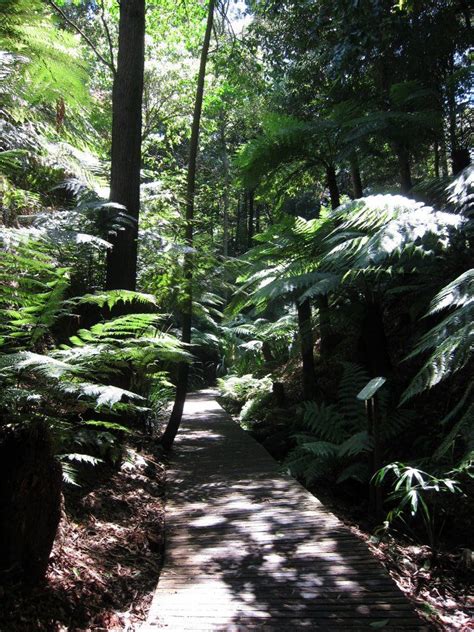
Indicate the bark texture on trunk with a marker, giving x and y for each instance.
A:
(126, 142)
(183, 370)
(305, 327)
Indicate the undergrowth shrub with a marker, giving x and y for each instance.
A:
(334, 442)
(239, 392)
(90, 388)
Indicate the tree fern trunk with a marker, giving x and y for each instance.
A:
(355, 177)
(332, 186)
(325, 328)
(403, 158)
(183, 369)
(307, 355)
(126, 142)
(373, 342)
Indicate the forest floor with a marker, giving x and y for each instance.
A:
(107, 556)
(439, 586)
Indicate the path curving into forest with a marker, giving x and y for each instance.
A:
(248, 548)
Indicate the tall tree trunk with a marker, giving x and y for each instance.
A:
(332, 186)
(355, 177)
(451, 102)
(225, 193)
(251, 210)
(183, 368)
(126, 142)
(258, 212)
(443, 155)
(305, 327)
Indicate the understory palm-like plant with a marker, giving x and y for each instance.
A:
(413, 493)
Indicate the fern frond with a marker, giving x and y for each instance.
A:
(353, 380)
(466, 421)
(357, 444)
(324, 421)
(357, 471)
(114, 297)
(453, 344)
(458, 293)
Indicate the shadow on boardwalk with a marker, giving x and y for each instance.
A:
(249, 548)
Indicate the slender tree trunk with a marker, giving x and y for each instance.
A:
(332, 186)
(436, 158)
(451, 101)
(183, 368)
(251, 210)
(245, 222)
(258, 211)
(306, 340)
(355, 177)
(126, 142)
(238, 223)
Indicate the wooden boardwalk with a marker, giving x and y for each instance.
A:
(248, 548)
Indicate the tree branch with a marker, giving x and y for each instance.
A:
(107, 34)
(85, 37)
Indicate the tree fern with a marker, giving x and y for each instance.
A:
(451, 341)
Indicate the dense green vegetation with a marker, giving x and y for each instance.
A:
(295, 219)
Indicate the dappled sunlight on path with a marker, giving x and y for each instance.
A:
(249, 548)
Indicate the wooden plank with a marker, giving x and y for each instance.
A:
(248, 547)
